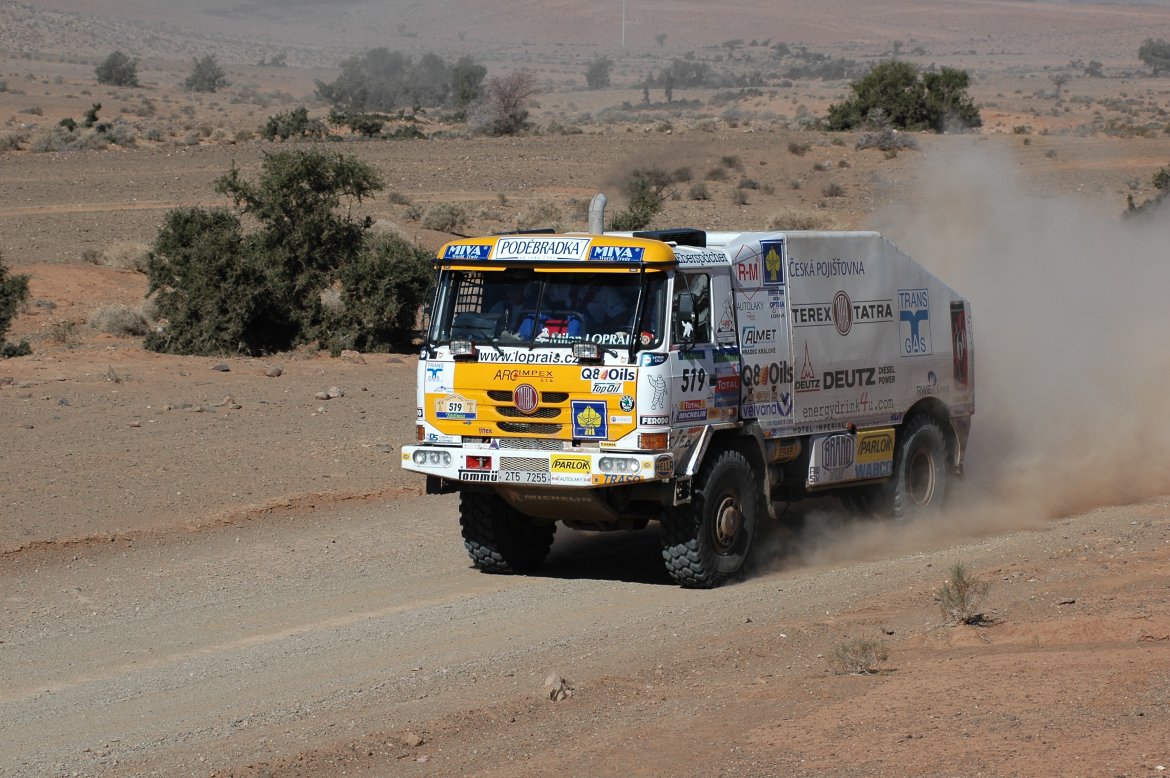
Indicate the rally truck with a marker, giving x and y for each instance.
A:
(697, 379)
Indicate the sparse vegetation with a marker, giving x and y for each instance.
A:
(798, 149)
(206, 76)
(119, 320)
(597, 72)
(13, 293)
(859, 656)
(1155, 53)
(833, 190)
(118, 69)
(543, 213)
(504, 109)
(699, 191)
(961, 595)
(909, 99)
(292, 124)
(1161, 183)
(646, 190)
(798, 220)
(382, 80)
(445, 217)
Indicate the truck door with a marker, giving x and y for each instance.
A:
(692, 355)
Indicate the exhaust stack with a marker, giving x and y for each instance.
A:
(597, 214)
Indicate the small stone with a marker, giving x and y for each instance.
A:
(385, 448)
(221, 367)
(63, 403)
(1066, 601)
(557, 688)
(336, 392)
(322, 396)
(235, 406)
(135, 424)
(274, 371)
(412, 740)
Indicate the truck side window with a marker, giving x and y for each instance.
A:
(699, 285)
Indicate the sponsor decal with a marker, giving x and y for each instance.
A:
(610, 478)
(837, 452)
(914, 322)
(747, 271)
(727, 383)
(930, 387)
(626, 403)
(773, 251)
(455, 408)
(525, 357)
(875, 445)
(828, 268)
(699, 415)
(589, 420)
(692, 405)
(781, 408)
(520, 374)
(468, 251)
(766, 375)
(887, 375)
(749, 306)
(606, 387)
(726, 320)
(616, 253)
(653, 421)
(438, 377)
(621, 419)
(420, 412)
(478, 475)
(857, 407)
(663, 467)
(560, 463)
(848, 379)
(526, 398)
(650, 360)
(687, 258)
(609, 374)
(541, 248)
(658, 391)
(438, 437)
(753, 336)
(808, 381)
(842, 313)
(961, 353)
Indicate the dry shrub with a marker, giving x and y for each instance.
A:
(859, 656)
(127, 255)
(800, 220)
(444, 217)
(65, 333)
(961, 595)
(120, 320)
(539, 214)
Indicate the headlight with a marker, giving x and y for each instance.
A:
(432, 458)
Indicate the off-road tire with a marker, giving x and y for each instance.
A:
(921, 471)
(708, 541)
(498, 538)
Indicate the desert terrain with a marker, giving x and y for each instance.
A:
(207, 570)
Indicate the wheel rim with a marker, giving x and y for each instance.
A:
(728, 522)
(921, 478)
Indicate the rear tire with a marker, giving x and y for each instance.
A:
(707, 542)
(498, 538)
(921, 472)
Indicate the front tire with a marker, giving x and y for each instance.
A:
(498, 538)
(707, 542)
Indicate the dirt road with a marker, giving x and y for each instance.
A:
(358, 639)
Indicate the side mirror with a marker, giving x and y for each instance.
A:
(684, 319)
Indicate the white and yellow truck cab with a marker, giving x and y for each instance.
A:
(693, 378)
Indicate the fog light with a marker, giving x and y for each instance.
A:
(420, 457)
(618, 465)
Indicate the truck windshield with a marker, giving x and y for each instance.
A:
(521, 307)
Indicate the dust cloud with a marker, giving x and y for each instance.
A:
(1070, 325)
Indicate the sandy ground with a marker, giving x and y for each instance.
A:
(206, 570)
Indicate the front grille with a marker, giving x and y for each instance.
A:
(500, 395)
(539, 413)
(532, 444)
(529, 428)
(548, 398)
(524, 464)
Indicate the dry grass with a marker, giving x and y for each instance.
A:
(961, 595)
(801, 220)
(120, 320)
(859, 656)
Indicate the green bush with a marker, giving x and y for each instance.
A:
(118, 70)
(646, 190)
(222, 290)
(597, 72)
(382, 80)
(908, 99)
(382, 290)
(206, 76)
(13, 293)
(292, 124)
